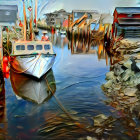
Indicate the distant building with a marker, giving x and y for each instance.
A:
(126, 21)
(56, 18)
(92, 19)
(106, 19)
(79, 13)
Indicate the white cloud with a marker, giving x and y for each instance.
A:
(101, 5)
(45, 6)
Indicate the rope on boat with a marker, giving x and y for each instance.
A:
(7, 51)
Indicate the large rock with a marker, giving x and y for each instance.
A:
(136, 50)
(134, 66)
(138, 65)
(118, 70)
(137, 78)
(138, 86)
(108, 84)
(130, 92)
(110, 75)
(137, 57)
(117, 87)
(127, 74)
(99, 119)
(128, 64)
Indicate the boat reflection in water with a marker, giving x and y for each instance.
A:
(33, 90)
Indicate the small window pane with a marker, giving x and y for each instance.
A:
(30, 47)
(39, 47)
(20, 47)
(47, 47)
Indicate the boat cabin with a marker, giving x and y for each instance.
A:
(32, 47)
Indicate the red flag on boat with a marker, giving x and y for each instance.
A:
(35, 21)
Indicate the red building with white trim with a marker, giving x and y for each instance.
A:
(126, 21)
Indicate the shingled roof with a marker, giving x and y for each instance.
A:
(128, 10)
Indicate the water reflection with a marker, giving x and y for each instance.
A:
(59, 41)
(78, 93)
(79, 44)
(3, 116)
(30, 89)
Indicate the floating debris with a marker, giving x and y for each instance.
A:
(98, 120)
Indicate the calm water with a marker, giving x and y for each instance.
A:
(71, 96)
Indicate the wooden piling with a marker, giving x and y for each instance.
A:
(36, 2)
(8, 40)
(1, 47)
(31, 27)
(72, 43)
(3, 118)
(25, 21)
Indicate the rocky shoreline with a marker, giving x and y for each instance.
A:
(122, 85)
(124, 76)
(124, 81)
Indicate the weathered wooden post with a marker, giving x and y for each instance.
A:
(3, 118)
(8, 17)
(69, 21)
(24, 27)
(8, 50)
(1, 48)
(72, 43)
(106, 57)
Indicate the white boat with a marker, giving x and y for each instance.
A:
(34, 58)
(36, 91)
(63, 32)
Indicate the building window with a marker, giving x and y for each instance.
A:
(75, 14)
(39, 47)
(130, 15)
(30, 47)
(20, 47)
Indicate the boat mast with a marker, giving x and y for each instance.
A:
(24, 12)
(31, 21)
(36, 12)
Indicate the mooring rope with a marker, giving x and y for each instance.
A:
(79, 125)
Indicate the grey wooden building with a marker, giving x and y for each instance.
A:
(56, 18)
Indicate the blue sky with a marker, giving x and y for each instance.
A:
(45, 6)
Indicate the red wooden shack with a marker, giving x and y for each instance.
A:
(126, 21)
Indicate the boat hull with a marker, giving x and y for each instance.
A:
(34, 65)
(36, 91)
